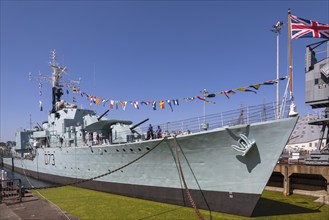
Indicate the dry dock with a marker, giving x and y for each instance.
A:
(36, 207)
(32, 207)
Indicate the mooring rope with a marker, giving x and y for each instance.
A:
(198, 213)
(25, 174)
(196, 180)
(102, 175)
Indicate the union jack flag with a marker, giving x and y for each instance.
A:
(301, 28)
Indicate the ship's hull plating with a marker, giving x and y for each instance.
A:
(218, 177)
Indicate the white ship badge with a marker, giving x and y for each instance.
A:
(245, 144)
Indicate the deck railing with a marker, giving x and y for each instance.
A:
(243, 115)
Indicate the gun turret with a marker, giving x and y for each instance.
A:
(100, 117)
(136, 125)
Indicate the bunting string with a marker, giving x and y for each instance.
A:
(205, 95)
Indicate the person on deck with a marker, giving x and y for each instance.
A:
(158, 132)
(91, 137)
(149, 133)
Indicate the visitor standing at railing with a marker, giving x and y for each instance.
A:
(150, 132)
(158, 132)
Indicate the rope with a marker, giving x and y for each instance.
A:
(196, 180)
(26, 175)
(185, 185)
(102, 175)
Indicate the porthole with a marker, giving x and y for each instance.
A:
(117, 150)
(147, 148)
(139, 149)
(131, 150)
(124, 150)
(105, 150)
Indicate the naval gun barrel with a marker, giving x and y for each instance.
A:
(100, 117)
(136, 125)
(39, 126)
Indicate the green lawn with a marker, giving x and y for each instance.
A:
(89, 204)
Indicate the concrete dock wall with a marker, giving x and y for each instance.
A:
(288, 169)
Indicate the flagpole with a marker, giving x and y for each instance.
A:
(204, 112)
(292, 111)
(277, 77)
(290, 53)
(204, 124)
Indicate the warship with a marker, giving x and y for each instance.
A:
(219, 163)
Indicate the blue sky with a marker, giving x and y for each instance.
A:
(147, 50)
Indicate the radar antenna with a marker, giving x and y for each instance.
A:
(56, 80)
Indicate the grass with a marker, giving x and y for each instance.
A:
(89, 204)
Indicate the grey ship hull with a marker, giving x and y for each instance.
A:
(219, 178)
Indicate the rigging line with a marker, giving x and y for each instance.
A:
(108, 173)
(185, 184)
(180, 178)
(196, 180)
(28, 180)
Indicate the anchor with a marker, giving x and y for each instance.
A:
(245, 144)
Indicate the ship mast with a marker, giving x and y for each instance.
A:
(55, 78)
